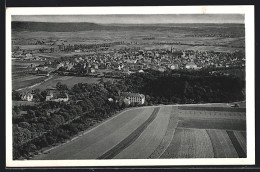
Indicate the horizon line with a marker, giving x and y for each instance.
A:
(135, 23)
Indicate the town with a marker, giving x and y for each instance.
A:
(127, 60)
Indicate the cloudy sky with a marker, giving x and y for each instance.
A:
(135, 19)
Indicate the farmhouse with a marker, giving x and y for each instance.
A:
(92, 70)
(174, 67)
(26, 96)
(133, 97)
(191, 65)
(57, 96)
(28, 56)
(77, 51)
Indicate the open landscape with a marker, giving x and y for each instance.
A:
(102, 90)
(161, 132)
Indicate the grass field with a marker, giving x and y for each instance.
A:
(26, 81)
(17, 103)
(161, 132)
(70, 81)
(20, 74)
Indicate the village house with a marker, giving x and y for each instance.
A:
(191, 65)
(77, 51)
(56, 96)
(26, 96)
(92, 70)
(28, 56)
(174, 67)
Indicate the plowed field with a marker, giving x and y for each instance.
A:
(162, 132)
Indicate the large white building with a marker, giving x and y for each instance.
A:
(133, 97)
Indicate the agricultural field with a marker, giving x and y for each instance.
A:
(168, 131)
(20, 74)
(70, 81)
(20, 81)
(18, 103)
(184, 37)
(26, 81)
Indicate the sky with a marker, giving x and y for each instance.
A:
(135, 19)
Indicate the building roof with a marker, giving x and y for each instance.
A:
(191, 64)
(26, 94)
(60, 95)
(56, 94)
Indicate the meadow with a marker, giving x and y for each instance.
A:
(70, 81)
(21, 76)
(26, 81)
(18, 103)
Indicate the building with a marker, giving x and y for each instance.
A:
(28, 56)
(57, 96)
(92, 70)
(191, 65)
(174, 67)
(26, 96)
(133, 97)
(160, 69)
(77, 51)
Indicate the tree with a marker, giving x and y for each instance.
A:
(61, 87)
(30, 114)
(15, 95)
(17, 110)
(24, 125)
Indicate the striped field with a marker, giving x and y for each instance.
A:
(161, 132)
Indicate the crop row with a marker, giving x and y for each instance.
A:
(222, 144)
(237, 145)
(225, 124)
(205, 108)
(173, 122)
(212, 114)
(129, 139)
(151, 137)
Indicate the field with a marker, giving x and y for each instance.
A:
(70, 81)
(21, 80)
(202, 131)
(19, 67)
(20, 74)
(183, 36)
(25, 81)
(17, 103)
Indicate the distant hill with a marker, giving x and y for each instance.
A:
(53, 27)
(75, 27)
